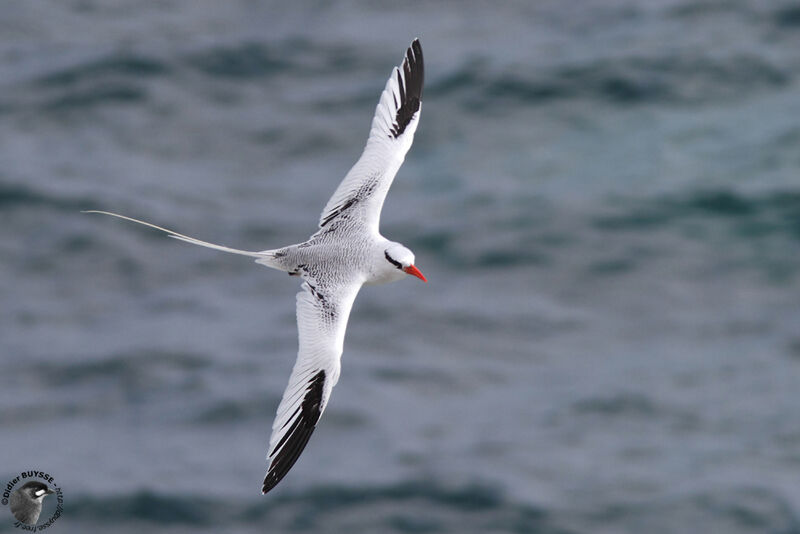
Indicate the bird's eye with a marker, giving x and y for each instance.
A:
(393, 261)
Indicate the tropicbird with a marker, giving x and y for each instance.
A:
(346, 252)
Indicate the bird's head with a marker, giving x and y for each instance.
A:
(36, 490)
(402, 259)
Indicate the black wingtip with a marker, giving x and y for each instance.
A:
(416, 65)
(413, 68)
(296, 438)
(417, 49)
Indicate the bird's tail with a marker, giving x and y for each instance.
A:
(263, 257)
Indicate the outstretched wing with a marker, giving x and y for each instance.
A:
(363, 190)
(321, 323)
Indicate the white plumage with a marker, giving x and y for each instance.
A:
(345, 253)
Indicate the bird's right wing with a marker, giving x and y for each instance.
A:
(321, 323)
(363, 190)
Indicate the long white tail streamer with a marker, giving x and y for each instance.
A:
(176, 235)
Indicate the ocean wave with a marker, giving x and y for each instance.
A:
(120, 78)
(625, 404)
(411, 506)
(237, 61)
(733, 510)
(753, 215)
(245, 60)
(629, 80)
(31, 414)
(630, 407)
(117, 78)
(119, 65)
(725, 216)
(230, 411)
(788, 16)
(17, 196)
(146, 506)
(144, 367)
(117, 93)
(259, 59)
(428, 506)
(123, 378)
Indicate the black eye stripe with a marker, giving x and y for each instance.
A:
(393, 261)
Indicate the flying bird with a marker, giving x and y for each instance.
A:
(26, 502)
(346, 252)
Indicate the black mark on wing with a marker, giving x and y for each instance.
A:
(288, 449)
(317, 295)
(411, 91)
(294, 441)
(326, 308)
(363, 192)
(338, 210)
(298, 269)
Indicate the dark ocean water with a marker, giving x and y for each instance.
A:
(605, 197)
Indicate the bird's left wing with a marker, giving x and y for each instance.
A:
(321, 323)
(363, 190)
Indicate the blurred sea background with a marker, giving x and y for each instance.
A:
(604, 195)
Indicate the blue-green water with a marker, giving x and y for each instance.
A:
(605, 197)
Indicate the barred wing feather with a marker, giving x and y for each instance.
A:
(321, 323)
(363, 190)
